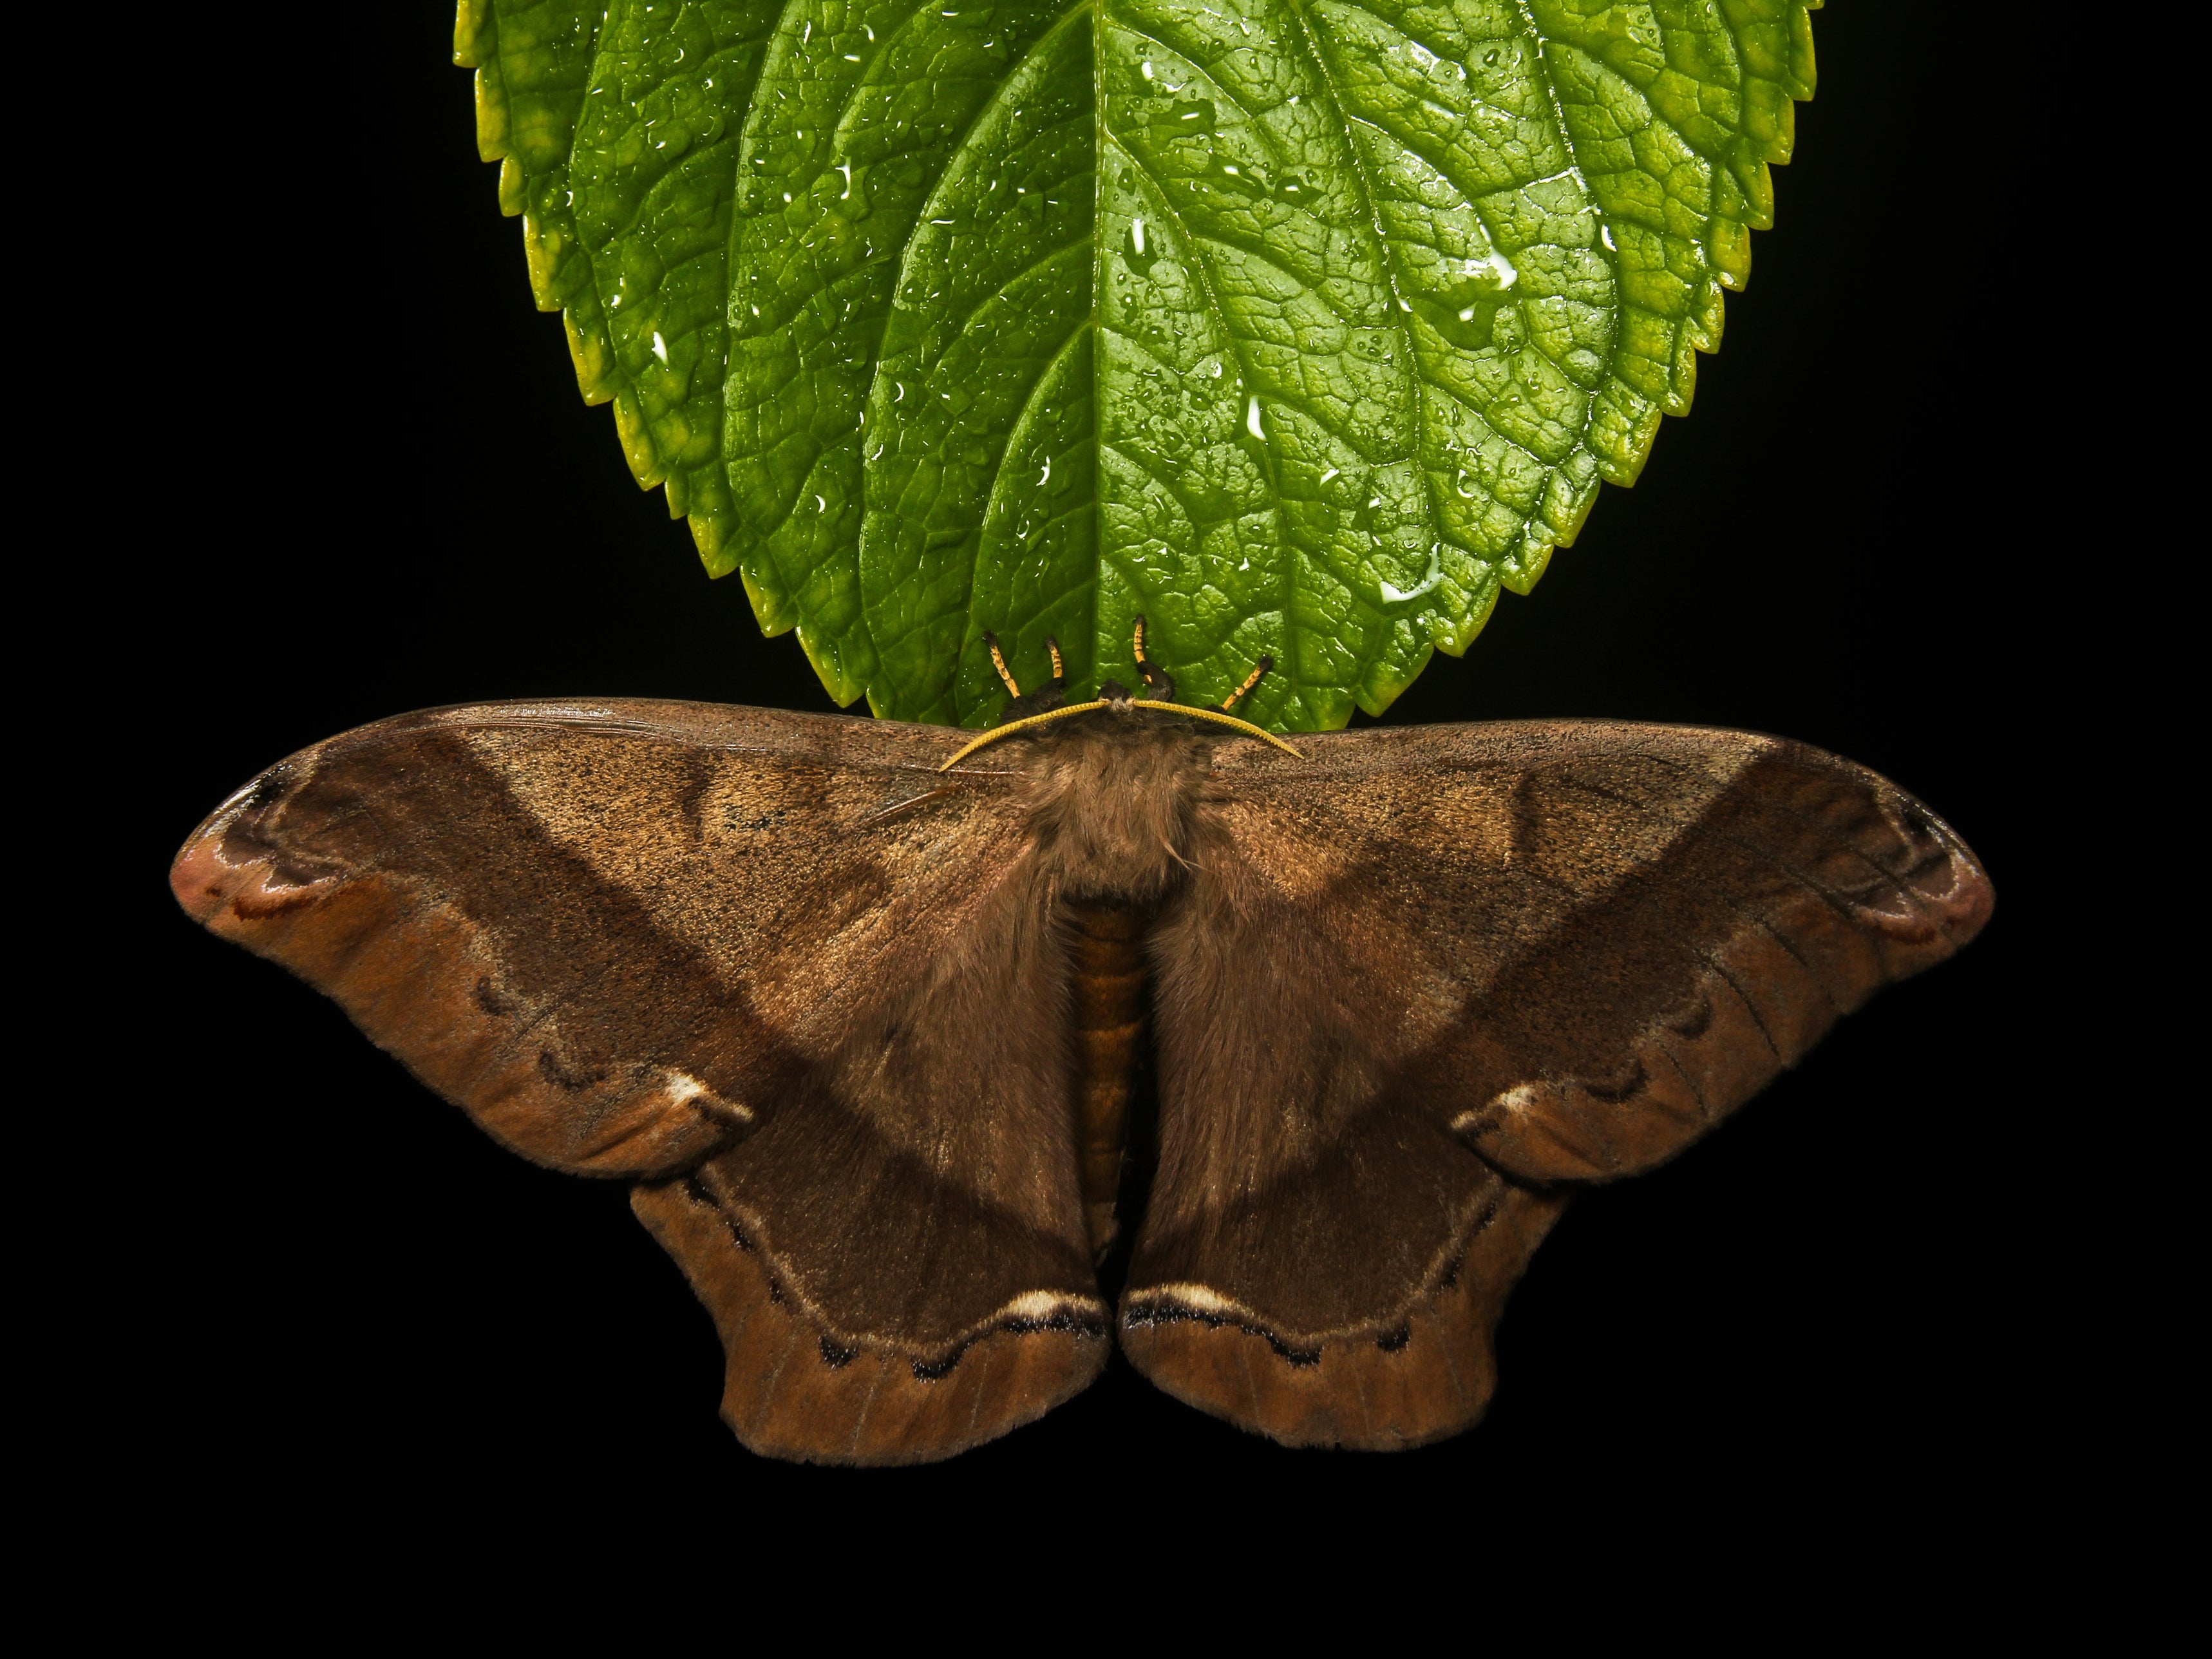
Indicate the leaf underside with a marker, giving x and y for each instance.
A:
(1300, 327)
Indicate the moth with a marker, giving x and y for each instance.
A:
(860, 1007)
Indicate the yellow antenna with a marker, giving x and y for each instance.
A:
(1219, 719)
(1012, 726)
(1253, 679)
(1215, 715)
(999, 663)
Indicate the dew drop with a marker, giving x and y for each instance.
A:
(1138, 252)
(1189, 118)
(1429, 578)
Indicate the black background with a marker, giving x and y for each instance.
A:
(1889, 1323)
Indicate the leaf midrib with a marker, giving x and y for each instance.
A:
(923, 215)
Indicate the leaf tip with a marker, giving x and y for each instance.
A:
(843, 688)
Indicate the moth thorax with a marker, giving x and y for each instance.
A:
(1112, 806)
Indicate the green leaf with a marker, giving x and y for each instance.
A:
(1300, 327)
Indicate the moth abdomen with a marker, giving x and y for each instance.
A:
(1106, 952)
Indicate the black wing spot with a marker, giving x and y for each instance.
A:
(1691, 1023)
(561, 1076)
(1078, 1324)
(838, 1359)
(695, 1190)
(1174, 1313)
(1062, 1320)
(1620, 1088)
(1449, 1278)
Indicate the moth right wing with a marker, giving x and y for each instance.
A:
(771, 965)
(1425, 980)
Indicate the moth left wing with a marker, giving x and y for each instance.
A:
(773, 966)
(1423, 981)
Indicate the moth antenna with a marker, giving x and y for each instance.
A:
(1059, 668)
(1214, 715)
(999, 663)
(1250, 680)
(1156, 680)
(1024, 723)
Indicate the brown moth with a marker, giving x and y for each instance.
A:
(856, 1007)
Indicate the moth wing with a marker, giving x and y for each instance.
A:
(1423, 983)
(772, 966)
